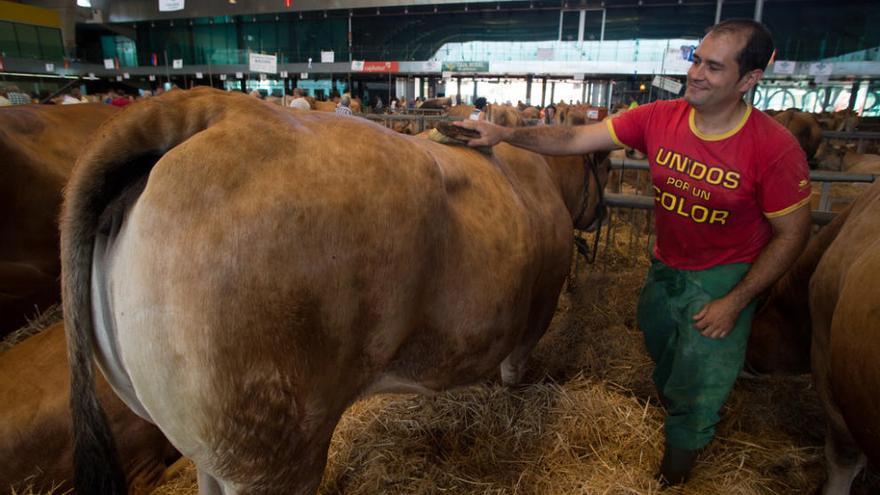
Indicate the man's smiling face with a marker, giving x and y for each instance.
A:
(714, 76)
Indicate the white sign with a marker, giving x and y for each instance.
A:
(327, 57)
(108, 63)
(152, 77)
(222, 77)
(170, 5)
(784, 67)
(126, 75)
(239, 75)
(177, 63)
(357, 65)
(257, 62)
(118, 78)
(303, 75)
(50, 67)
(263, 77)
(678, 59)
(199, 75)
(284, 74)
(667, 83)
(821, 69)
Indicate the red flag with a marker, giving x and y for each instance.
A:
(154, 60)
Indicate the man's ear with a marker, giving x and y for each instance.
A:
(750, 80)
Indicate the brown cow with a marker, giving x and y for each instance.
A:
(804, 127)
(36, 441)
(39, 144)
(504, 115)
(839, 274)
(253, 300)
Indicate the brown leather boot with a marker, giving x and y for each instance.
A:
(676, 465)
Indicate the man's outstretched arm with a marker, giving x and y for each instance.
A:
(547, 140)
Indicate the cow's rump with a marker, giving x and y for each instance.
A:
(261, 281)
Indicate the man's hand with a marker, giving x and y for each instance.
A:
(490, 134)
(717, 318)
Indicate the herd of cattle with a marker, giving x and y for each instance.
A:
(241, 295)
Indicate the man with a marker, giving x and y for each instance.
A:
(299, 100)
(344, 106)
(16, 97)
(74, 97)
(479, 105)
(731, 196)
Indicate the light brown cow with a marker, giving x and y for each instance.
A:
(504, 115)
(804, 127)
(839, 274)
(253, 293)
(38, 145)
(36, 440)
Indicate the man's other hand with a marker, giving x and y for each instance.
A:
(490, 134)
(717, 318)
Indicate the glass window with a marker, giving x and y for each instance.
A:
(28, 42)
(50, 42)
(8, 43)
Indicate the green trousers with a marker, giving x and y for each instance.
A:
(693, 373)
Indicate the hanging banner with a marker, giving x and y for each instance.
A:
(239, 75)
(170, 5)
(177, 63)
(284, 74)
(126, 75)
(152, 77)
(678, 59)
(222, 77)
(108, 63)
(303, 75)
(327, 57)
(466, 66)
(199, 75)
(50, 67)
(257, 62)
(363, 66)
(118, 78)
(784, 67)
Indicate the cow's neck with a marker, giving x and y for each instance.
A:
(570, 176)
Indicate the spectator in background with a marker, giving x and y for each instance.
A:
(393, 105)
(344, 105)
(16, 97)
(379, 106)
(120, 100)
(479, 105)
(73, 97)
(299, 100)
(4, 101)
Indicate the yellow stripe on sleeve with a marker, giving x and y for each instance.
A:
(786, 211)
(613, 134)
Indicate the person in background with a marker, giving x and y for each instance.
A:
(299, 101)
(731, 213)
(344, 105)
(73, 97)
(16, 97)
(479, 105)
(379, 106)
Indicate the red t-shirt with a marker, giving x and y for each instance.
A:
(714, 193)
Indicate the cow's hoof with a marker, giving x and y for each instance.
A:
(511, 375)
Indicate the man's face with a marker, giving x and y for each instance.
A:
(714, 77)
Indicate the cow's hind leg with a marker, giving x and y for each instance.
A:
(845, 460)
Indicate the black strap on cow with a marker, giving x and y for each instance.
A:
(591, 167)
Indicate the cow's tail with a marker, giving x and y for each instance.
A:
(125, 150)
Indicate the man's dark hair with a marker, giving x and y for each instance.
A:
(479, 103)
(759, 43)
